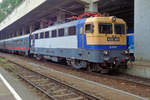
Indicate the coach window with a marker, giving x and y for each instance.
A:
(72, 30)
(105, 28)
(36, 36)
(47, 34)
(54, 33)
(89, 28)
(61, 32)
(41, 35)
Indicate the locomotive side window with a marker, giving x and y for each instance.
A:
(47, 34)
(119, 28)
(36, 36)
(61, 32)
(72, 30)
(41, 35)
(89, 28)
(54, 33)
(105, 28)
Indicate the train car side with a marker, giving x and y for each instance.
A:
(2, 45)
(18, 45)
(82, 48)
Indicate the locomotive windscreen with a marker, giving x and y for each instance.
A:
(119, 28)
(105, 28)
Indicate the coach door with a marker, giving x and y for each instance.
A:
(81, 34)
(32, 41)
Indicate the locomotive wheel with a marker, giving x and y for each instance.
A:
(89, 69)
(78, 64)
(38, 57)
(68, 62)
(94, 68)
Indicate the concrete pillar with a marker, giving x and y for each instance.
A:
(9, 35)
(32, 28)
(61, 16)
(17, 34)
(142, 29)
(41, 24)
(23, 31)
(13, 34)
(92, 7)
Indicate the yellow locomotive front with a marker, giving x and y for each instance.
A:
(107, 36)
(107, 32)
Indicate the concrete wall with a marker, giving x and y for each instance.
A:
(20, 11)
(139, 71)
(142, 29)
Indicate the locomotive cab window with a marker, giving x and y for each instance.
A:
(72, 30)
(54, 33)
(61, 32)
(119, 28)
(89, 28)
(105, 28)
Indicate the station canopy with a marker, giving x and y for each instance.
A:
(51, 8)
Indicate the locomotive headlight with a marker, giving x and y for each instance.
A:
(125, 52)
(114, 18)
(106, 52)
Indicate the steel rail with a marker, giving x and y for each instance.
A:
(40, 89)
(107, 76)
(120, 78)
(83, 93)
(132, 80)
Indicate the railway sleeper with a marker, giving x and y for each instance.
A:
(43, 85)
(60, 91)
(39, 80)
(51, 90)
(77, 98)
(66, 96)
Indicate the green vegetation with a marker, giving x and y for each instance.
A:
(5, 64)
(7, 6)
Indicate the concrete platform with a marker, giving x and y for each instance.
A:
(140, 69)
(12, 89)
(5, 94)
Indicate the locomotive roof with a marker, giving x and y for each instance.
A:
(57, 26)
(72, 23)
(106, 19)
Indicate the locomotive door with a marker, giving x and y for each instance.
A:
(81, 34)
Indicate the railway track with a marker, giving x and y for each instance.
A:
(121, 80)
(125, 78)
(121, 77)
(54, 89)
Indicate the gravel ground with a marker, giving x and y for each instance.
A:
(137, 89)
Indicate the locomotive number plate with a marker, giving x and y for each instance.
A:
(113, 38)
